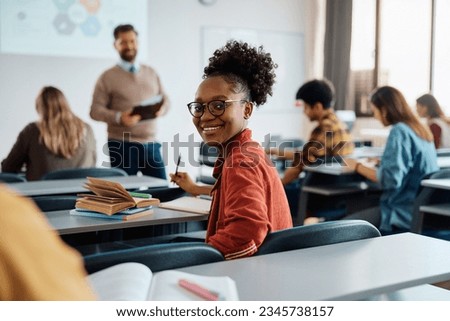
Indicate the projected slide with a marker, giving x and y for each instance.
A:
(80, 28)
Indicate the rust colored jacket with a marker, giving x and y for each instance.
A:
(248, 199)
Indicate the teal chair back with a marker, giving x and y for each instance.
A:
(319, 234)
(12, 178)
(84, 172)
(157, 257)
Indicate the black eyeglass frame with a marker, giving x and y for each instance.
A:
(211, 108)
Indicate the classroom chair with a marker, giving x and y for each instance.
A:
(49, 203)
(427, 223)
(12, 178)
(319, 234)
(207, 159)
(69, 173)
(157, 257)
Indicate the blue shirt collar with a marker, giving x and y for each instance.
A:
(126, 65)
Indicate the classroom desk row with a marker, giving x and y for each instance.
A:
(336, 180)
(65, 224)
(74, 186)
(442, 208)
(396, 267)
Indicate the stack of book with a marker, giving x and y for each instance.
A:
(112, 200)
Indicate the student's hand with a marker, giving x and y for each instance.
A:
(351, 163)
(161, 111)
(272, 151)
(183, 180)
(129, 120)
(290, 174)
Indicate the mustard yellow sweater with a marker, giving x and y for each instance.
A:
(35, 264)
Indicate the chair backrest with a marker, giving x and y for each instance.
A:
(325, 233)
(208, 154)
(12, 178)
(55, 202)
(428, 195)
(84, 172)
(165, 194)
(157, 257)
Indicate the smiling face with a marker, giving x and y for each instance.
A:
(126, 45)
(217, 130)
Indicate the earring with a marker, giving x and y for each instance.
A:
(246, 117)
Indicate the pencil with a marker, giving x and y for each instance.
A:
(178, 164)
(198, 290)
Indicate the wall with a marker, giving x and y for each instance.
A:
(174, 29)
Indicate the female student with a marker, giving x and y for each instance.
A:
(409, 155)
(58, 140)
(428, 107)
(248, 197)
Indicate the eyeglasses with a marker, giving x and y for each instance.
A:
(215, 107)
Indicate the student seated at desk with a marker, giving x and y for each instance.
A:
(248, 197)
(329, 138)
(58, 140)
(409, 156)
(35, 264)
(428, 107)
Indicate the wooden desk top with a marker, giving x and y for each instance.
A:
(345, 271)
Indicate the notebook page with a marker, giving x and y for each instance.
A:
(122, 282)
(165, 286)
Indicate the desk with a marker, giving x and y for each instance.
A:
(330, 169)
(443, 162)
(442, 183)
(74, 186)
(334, 180)
(65, 223)
(441, 208)
(345, 271)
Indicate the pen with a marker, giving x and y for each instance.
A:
(178, 164)
(198, 290)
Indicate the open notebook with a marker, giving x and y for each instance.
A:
(189, 204)
(136, 282)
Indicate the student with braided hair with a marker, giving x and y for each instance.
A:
(248, 198)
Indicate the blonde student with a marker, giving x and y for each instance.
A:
(58, 140)
(248, 198)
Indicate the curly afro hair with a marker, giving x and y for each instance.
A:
(250, 69)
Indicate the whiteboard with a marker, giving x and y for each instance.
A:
(68, 27)
(286, 48)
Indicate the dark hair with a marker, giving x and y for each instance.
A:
(317, 91)
(123, 28)
(432, 106)
(250, 69)
(394, 108)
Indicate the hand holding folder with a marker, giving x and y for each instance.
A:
(148, 108)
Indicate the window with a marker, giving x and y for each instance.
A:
(362, 60)
(404, 49)
(441, 68)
